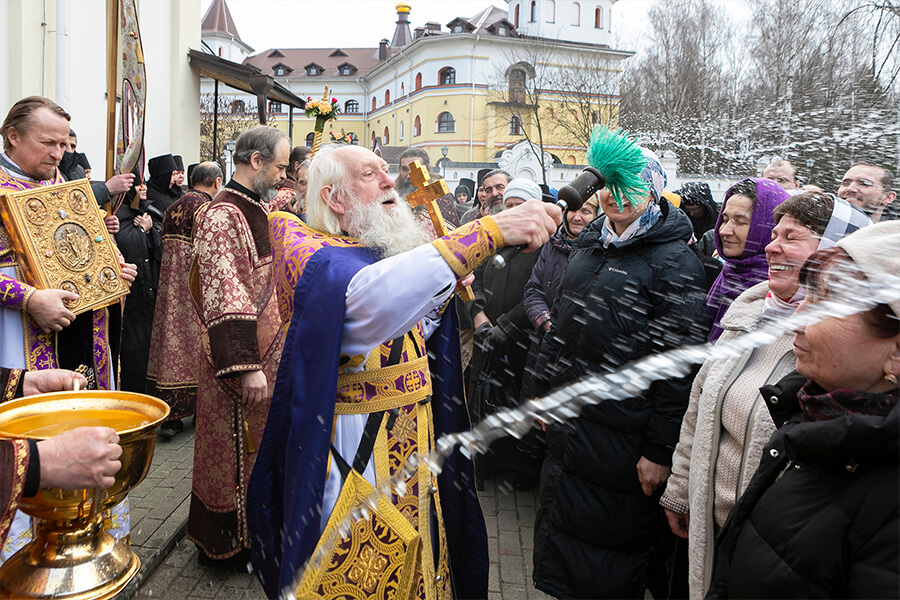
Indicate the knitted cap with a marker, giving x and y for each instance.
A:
(522, 188)
(694, 193)
(876, 251)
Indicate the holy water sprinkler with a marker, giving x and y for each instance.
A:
(615, 163)
(573, 195)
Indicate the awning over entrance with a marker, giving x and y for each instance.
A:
(246, 78)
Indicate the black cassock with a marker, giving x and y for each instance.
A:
(145, 251)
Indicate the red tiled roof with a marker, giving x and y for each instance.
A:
(364, 59)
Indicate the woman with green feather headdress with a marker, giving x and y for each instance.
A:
(628, 291)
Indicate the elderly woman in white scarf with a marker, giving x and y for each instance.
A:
(727, 423)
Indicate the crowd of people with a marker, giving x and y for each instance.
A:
(306, 317)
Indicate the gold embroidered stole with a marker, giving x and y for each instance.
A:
(389, 553)
(293, 244)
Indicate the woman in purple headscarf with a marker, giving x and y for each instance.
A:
(743, 230)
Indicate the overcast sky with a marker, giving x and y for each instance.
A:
(267, 24)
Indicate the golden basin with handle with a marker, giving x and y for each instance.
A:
(71, 556)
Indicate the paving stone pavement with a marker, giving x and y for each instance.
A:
(159, 505)
(169, 568)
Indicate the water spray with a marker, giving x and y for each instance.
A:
(567, 402)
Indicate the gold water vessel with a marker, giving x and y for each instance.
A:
(71, 557)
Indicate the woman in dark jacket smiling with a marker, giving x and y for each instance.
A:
(628, 291)
(820, 517)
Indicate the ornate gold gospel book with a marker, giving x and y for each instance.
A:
(61, 241)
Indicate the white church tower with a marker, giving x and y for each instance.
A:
(585, 21)
(220, 35)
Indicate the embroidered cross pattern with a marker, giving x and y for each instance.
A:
(7, 292)
(176, 215)
(403, 427)
(367, 568)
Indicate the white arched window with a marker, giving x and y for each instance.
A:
(576, 14)
(551, 11)
(400, 132)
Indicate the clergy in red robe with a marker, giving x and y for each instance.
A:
(175, 347)
(242, 343)
(284, 199)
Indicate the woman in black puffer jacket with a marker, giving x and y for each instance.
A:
(632, 287)
(820, 516)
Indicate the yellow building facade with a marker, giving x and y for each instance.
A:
(472, 87)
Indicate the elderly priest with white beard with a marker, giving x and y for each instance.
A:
(369, 378)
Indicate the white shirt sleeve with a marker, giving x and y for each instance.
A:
(386, 299)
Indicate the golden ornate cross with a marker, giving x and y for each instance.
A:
(176, 214)
(426, 195)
